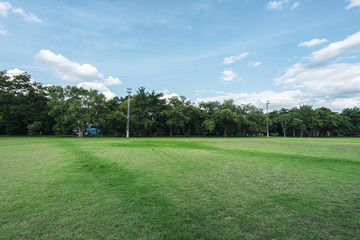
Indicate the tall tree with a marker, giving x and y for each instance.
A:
(226, 116)
(146, 110)
(353, 116)
(285, 119)
(22, 102)
(74, 108)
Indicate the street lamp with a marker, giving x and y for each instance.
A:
(128, 112)
(267, 118)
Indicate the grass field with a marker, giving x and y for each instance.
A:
(179, 188)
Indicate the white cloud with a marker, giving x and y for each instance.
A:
(321, 81)
(232, 59)
(5, 7)
(67, 70)
(277, 5)
(228, 76)
(295, 5)
(14, 72)
(286, 99)
(167, 95)
(278, 99)
(88, 75)
(29, 17)
(334, 79)
(312, 43)
(322, 77)
(353, 3)
(337, 50)
(112, 81)
(254, 64)
(97, 86)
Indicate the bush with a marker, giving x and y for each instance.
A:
(34, 128)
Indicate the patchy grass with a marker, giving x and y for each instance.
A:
(179, 188)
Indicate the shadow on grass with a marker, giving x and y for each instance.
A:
(162, 144)
(152, 214)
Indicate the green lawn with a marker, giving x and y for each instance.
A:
(179, 188)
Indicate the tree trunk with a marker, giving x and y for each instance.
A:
(81, 132)
(284, 131)
(294, 132)
(225, 131)
(170, 131)
(188, 130)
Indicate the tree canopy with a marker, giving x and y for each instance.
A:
(28, 107)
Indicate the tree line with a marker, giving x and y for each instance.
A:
(28, 107)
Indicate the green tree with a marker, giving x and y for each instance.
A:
(34, 128)
(21, 103)
(145, 115)
(115, 117)
(353, 116)
(73, 108)
(285, 119)
(226, 116)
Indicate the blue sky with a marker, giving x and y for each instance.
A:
(291, 52)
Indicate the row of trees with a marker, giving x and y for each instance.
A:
(28, 107)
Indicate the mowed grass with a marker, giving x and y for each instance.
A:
(179, 188)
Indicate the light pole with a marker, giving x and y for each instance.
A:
(128, 113)
(267, 118)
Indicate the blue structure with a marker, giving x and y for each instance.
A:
(92, 131)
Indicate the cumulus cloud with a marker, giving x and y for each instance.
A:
(232, 59)
(312, 42)
(110, 81)
(278, 99)
(97, 86)
(353, 3)
(323, 76)
(337, 50)
(14, 72)
(320, 81)
(86, 74)
(228, 76)
(6, 7)
(167, 95)
(286, 99)
(67, 70)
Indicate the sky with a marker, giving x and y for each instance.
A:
(290, 52)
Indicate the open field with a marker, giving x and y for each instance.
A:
(179, 188)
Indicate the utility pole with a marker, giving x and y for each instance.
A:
(267, 118)
(128, 113)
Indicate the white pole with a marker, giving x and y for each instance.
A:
(267, 118)
(128, 113)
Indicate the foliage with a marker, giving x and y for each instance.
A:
(35, 128)
(22, 102)
(66, 110)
